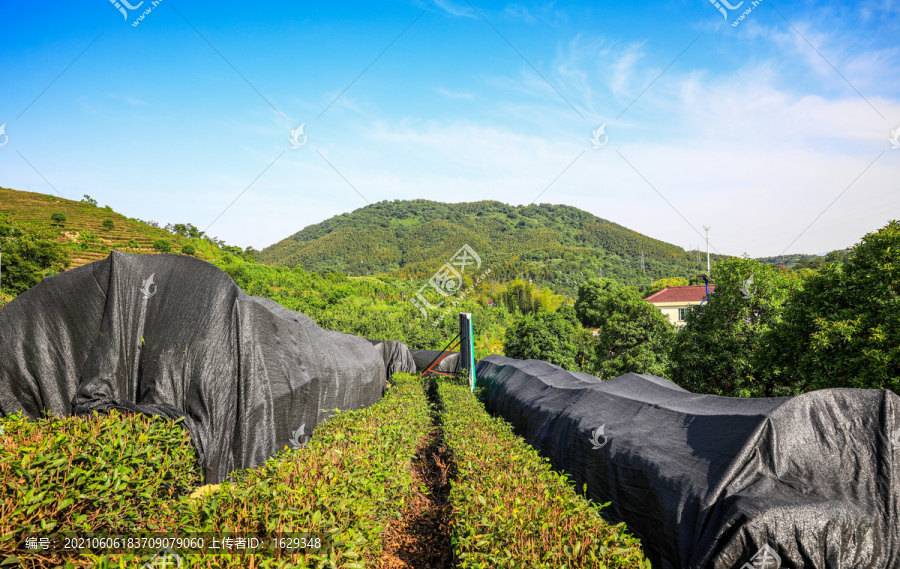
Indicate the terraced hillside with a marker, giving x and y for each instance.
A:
(83, 232)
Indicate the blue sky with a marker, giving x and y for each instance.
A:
(754, 126)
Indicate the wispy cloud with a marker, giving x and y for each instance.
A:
(455, 9)
(127, 99)
(452, 94)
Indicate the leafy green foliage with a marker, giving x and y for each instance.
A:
(842, 329)
(632, 336)
(58, 218)
(89, 200)
(128, 474)
(186, 230)
(544, 335)
(111, 473)
(511, 509)
(108, 224)
(657, 286)
(718, 351)
(523, 297)
(188, 249)
(162, 245)
(27, 257)
(555, 245)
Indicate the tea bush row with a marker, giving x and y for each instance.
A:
(511, 509)
(130, 475)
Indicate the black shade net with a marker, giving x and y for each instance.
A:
(172, 335)
(396, 355)
(718, 482)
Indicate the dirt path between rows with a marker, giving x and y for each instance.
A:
(421, 540)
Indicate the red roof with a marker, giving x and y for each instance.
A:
(692, 293)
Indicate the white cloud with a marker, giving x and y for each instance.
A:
(453, 94)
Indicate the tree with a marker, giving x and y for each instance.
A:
(717, 351)
(657, 286)
(632, 336)
(842, 329)
(108, 224)
(58, 218)
(89, 200)
(27, 257)
(590, 297)
(544, 335)
(162, 245)
(188, 249)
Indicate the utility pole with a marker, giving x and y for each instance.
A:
(707, 228)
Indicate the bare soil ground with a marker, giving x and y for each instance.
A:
(421, 540)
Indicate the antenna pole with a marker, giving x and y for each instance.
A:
(707, 228)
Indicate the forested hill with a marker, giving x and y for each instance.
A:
(548, 243)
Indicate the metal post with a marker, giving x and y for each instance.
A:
(707, 228)
(467, 347)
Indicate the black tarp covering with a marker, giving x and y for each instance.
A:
(423, 359)
(718, 482)
(175, 336)
(396, 355)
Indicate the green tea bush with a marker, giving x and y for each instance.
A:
(133, 475)
(346, 485)
(511, 509)
(111, 473)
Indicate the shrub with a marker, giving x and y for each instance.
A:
(109, 473)
(58, 218)
(841, 329)
(108, 224)
(162, 245)
(511, 509)
(188, 249)
(632, 336)
(544, 335)
(134, 244)
(716, 351)
(28, 256)
(88, 239)
(131, 475)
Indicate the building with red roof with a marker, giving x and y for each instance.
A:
(675, 301)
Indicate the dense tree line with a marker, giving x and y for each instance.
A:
(554, 245)
(766, 331)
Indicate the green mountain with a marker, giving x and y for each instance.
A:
(556, 245)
